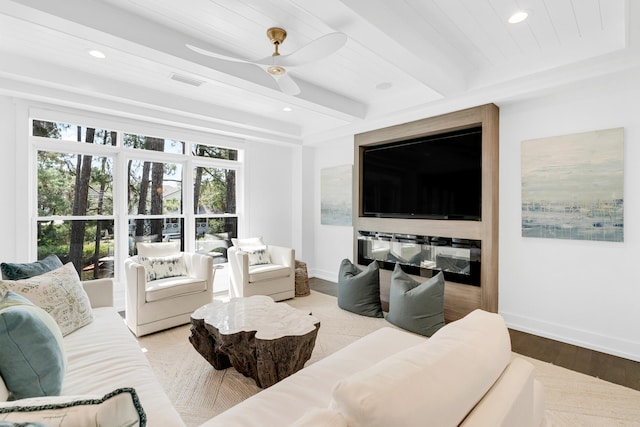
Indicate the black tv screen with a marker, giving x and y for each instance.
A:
(434, 177)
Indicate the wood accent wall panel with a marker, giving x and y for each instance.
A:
(459, 299)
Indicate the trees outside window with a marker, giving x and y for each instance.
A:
(77, 200)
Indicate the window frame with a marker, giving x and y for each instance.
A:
(121, 155)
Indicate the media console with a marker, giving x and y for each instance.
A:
(381, 238)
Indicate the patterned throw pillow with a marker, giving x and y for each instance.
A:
(32, 359)
(59, 293)
(258, 255)
(163, 266)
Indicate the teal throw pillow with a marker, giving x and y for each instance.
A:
(359, 290)
(32, 359)
(414, 306)
(14, 271)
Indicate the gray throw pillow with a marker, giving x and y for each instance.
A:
(414, 306)
(359, 290)
(15, 271)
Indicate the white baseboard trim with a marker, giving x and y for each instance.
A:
(582, 338)
(323, 274)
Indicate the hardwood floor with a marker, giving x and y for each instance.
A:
(610, 368)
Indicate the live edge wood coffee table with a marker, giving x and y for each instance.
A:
(261, 339)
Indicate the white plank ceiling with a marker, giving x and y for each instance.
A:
(402, 57)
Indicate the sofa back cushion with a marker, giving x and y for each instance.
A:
(434, 383)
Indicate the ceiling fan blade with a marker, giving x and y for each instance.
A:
(317, 49)
(224, 57)
(287, 85)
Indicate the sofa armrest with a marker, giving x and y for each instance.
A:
(282, 256)
(511, 401)
(100, 292)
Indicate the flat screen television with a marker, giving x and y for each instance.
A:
(433, 177)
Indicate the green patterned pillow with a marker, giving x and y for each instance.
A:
(32, 360)
(59, 293)
(14, 271)
(258, 255)
(119, 408)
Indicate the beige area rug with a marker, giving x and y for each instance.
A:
(199, 392)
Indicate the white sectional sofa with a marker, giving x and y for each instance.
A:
(465, 374)
(104, 356)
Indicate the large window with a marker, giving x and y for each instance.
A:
(101, 191)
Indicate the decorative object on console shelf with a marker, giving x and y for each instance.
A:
(259, 269)
(359, 290)
(414, 306)
(153, 305)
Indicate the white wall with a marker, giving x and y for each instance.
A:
(8, 179)
(269, 194)
(331, 243)
(585, 293)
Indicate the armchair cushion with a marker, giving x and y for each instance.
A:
(158, 249)
(172, 287)
(246, 243)
(267, 271)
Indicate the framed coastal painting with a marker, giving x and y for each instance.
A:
(573, 186)
(335, 195)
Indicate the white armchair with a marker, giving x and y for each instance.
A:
(275, 277)
(183, 282)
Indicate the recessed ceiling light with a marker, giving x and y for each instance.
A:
(287, 109)
(384, 86)
(97, 54)
(518, 17)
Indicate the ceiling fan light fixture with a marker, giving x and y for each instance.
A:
(517, 17)
(276, 70)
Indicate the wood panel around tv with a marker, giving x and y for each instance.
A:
(460, 299)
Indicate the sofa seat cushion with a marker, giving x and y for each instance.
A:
(436, 383)
(268, 271)
(171, 287)
(104, 356)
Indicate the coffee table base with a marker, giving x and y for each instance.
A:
(266, 361)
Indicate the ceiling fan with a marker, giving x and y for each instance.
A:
(277, 64)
